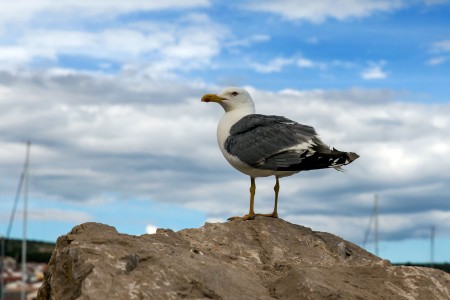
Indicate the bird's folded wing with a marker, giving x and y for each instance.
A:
(272, 142)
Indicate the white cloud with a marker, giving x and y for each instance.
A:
(188, 44)
(12, 56)
(438, 60)
(389, 224)
(26, 10)
(46, 30)
(441, 46)
(439, 50)
(374, 71)
(215, 220)
(150, 229)
(319, 11)
(60, 215)
(274, 65)
(305, 63)
(246, 42)
(277, 64)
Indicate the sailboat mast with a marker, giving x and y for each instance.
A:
(376, 229)
(24, 229)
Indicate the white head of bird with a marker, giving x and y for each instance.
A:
(232, 98)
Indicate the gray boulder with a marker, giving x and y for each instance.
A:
(263, 258)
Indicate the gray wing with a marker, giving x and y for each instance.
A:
(272, 142)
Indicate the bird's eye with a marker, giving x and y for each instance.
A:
(234, 94)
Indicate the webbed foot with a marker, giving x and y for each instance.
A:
(272, 215)
(244, 218)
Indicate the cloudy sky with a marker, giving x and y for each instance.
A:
(108, 92)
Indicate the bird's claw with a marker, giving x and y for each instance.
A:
(244, 218)
(252, 216)
(272, 215)
(248, 217)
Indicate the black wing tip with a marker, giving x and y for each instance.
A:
(352, 156)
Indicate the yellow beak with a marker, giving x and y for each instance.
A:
(212, 98)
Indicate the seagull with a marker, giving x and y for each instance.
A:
(265, 145)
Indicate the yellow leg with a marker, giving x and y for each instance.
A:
(276, 188)
(251, 213)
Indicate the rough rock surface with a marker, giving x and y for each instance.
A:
(260, 259)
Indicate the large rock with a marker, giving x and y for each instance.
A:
(260, 259)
